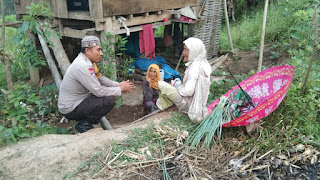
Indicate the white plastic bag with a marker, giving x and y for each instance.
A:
(176, 82)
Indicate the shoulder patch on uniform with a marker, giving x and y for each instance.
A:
(91, 70)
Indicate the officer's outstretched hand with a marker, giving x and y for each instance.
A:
(126, 86)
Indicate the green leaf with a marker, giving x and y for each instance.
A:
(316, 88)
(18, 117)
(297, 36)
(16, 103)
(309, 48)
(23, 134)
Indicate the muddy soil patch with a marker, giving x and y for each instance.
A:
(125, 114)
(245, 61)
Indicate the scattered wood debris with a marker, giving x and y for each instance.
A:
(180, 162)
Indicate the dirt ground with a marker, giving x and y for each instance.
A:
(51, 156)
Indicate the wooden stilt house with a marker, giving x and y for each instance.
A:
(78, 18)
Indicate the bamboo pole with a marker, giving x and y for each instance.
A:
(263, 34)
(313, 56)
(51, 63)
(227, 23)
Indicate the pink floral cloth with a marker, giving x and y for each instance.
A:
(267, 89)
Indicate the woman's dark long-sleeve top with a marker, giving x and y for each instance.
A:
(149, 94)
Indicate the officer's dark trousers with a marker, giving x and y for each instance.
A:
(92, 109)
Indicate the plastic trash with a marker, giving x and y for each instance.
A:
(161, 74)
(176, 82)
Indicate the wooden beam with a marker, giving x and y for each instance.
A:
(116, 7)
(171, 11)
(108, 25)
(99, 26)
(68, 32)
(13, 25)
(82, 15)
(138, 28)
(142, 20)
(78, 23)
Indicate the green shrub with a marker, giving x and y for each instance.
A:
(23, 111)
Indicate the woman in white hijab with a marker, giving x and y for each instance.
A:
(198, 69)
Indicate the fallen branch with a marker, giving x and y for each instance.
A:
(197, 157)
(213, 61)
(249, 154)
(117, 156)
(144, 162)
(191, 169)
(146, 116)
(264, 155)
(244, 167)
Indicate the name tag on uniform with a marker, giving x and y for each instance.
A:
(92, 72)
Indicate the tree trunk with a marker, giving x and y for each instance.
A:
(58, 50)
(4, 59)
(52, 65)
(313, 56)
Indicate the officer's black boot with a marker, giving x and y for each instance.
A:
(83, 126)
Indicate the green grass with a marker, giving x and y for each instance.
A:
(246, 32)
(293, 122)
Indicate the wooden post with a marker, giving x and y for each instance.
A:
(33, 71)
(108, 29)
(263, 34)
(227, 23)
(51, 64)
(4, 59)
(313, 56)
(96, 10)
(191, 28)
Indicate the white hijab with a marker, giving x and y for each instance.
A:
(197, 52)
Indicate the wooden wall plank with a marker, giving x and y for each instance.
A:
(125, 7)
(83, 15)
(96, 11)
(21, 7)
(60, 9)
